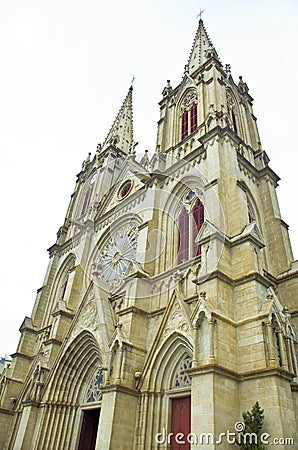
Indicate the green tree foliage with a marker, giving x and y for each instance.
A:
(253, 421)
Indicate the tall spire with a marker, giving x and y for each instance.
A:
(200, 50)
(121, 132)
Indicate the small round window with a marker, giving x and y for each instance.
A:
(125, 189)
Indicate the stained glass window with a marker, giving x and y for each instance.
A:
(94, 390)
(189, 224)
(189, 120)
(125, 189)
(181, 377)
(193, 117)
(184, 131)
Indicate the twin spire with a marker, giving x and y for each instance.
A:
(121, 132)
(202, 49)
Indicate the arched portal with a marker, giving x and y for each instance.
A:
(65, 395)
(169, 407)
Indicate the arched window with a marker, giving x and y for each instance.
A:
(63, 280)
(86, 201)
(184, 132)
(190, 221)
(181, 377)
(231, 104)
(234, 121)
(189, 118)
(189, 121)
(88, 194)
(193, 117)
(94, 389)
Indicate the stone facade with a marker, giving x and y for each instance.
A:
(172, 276)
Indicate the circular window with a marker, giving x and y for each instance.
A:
(125, 189)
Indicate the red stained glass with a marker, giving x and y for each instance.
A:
(184, 131)
(125, 189)
(193, 117)
(183, 244)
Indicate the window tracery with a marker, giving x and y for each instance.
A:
(189, 121)
(94, 390)
(118, 254)
(181, 377)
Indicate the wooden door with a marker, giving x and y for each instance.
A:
(180, 423)
(89, 429)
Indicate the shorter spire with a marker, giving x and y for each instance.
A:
(121, 132)
(201, 50)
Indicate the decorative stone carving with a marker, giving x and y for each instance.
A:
(177, 320)
(86, 162)
(117, 256)
(242, 86)
(145, 160)
(88, 318)
(167, 90)
(211, 52)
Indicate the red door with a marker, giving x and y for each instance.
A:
(180, 423)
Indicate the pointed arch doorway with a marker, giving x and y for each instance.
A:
(89, 429)
(91, 412)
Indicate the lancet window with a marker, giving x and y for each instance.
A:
(189, 121)
(88, 193)
(190, 221)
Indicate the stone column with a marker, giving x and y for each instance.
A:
(211, 323)
(195, 347)
(289, 351)
(282, 350)
(272, 361)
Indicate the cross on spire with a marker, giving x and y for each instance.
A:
(200, 13)
(132, 80)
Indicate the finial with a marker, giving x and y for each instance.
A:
(86, 161)
(132, 150)
(242, 86)
(168, 89)
(145, 160)
(228, 69)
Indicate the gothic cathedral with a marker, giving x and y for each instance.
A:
(169, 305)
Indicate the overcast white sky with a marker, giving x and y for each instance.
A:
(65, 68)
